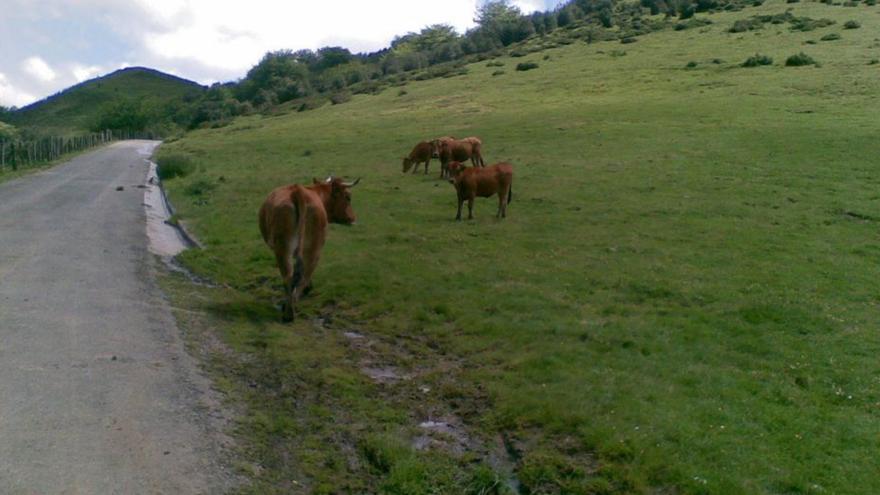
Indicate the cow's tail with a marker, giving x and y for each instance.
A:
(510, 193)
(299, 213)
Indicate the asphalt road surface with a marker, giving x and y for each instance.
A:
(97, 394)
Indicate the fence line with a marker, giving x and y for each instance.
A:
(20, 153)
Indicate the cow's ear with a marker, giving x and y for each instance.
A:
(315, 181)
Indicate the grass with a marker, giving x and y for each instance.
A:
(683, 298)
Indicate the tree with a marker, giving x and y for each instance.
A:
(125, 115)
(7, 131)
(504, 22)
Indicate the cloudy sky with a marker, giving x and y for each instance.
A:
(48, 45)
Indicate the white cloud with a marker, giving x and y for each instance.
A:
(233, 36)
(39, 69)
(529, 6)
(11, 96)
(83, 73)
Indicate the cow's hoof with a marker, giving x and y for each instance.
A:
(307, 290)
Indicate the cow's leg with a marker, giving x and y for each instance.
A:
(460, 202)
(471, 208)
(311, 254)
(500, 213)
(444, 170)
(285, 266)
(427, 162)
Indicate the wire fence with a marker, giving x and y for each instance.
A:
(21, 153)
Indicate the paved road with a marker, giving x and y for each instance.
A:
(97, 395)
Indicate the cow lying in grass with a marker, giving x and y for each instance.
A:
(459, 150)
(293, 222)
(484, 182)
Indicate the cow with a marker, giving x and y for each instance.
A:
(459, 150)
(293, 222)
(484, 182)
(421, 152)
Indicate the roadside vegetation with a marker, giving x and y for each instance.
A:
(682, 299)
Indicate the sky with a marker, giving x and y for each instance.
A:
(49, 45)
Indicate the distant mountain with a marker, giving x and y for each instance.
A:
(75, 109)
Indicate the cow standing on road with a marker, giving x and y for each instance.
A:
(484, 182)
(293, 222)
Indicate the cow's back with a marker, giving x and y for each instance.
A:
(492, 179)
(280, 213)
(421, 152)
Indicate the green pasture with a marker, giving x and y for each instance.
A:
(683, 299)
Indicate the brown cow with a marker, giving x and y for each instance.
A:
(459, 150)
(484, 182)
(293, 221)
(422, 152)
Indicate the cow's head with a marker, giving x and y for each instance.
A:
(407, 164)
(339, 205)
(455, 168)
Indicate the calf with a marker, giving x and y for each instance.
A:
(293, 222)
(422, 152)
(484, 182)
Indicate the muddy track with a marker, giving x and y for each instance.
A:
(97, 394)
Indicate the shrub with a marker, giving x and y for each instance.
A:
(618, 53)
(757, 60)
(874, 61)
(341, 97)
(174, 165)
(871, 2)
(518, 53)
(807, 24)
(744, 25)
(810, 42)
(402, 92)
(495, 63)
(717, 61)
(526, 66)
(799, 59)
(680, 26)
(830, 37)
(792, 1)
(629, 40)
(498, 73)
(691, 65)
(852, 25)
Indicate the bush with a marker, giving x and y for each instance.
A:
(874, 61)
(498, 73)
(629, 40)
(757, 60)
(341, 97)
(717, 61)
(174, 165)
(690, 65)
(526, 66)
(807, 24)
(744, 25)
(830, 37)
(495, 63)
(852, 25)
(799, 60)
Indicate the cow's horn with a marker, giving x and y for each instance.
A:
(351, 184)
(329, 179)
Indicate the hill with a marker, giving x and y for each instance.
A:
(78, 108)
(682, 298)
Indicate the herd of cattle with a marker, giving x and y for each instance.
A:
(293, 219)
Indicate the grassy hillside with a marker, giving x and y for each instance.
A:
(75, 109)
(683, 298)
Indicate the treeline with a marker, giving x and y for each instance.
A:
(310, 78)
